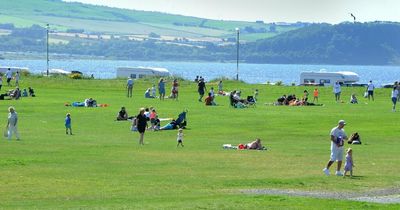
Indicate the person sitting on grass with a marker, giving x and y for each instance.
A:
(353, 99)
(122, 114)
(31, 92)
(209, 101)
(24, 93)
(147, 94)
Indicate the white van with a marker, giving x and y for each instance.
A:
(328, 78)
(140, 72)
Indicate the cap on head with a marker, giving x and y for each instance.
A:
(342, 122)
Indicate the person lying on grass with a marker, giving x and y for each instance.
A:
(255, 144)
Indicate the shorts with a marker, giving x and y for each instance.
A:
(336, 154)
(68, 126)
(394, 100)
(370, 92)
(8, 80)
(141, 129)
(201, 92)
(161, 91)
(180, 141)
(337, 94)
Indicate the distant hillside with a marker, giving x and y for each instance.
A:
(99, 19)
(376, 43)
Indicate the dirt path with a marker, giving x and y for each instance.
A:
(386, 196)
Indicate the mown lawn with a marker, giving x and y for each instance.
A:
(102, 166)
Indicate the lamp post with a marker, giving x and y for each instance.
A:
(47, 49)
(237, 53)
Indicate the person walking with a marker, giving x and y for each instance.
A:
(1, 81)
(12, 123)
(201, 88)
(395, 94)
(338, 136)
(9, 76)
(129, 87)
(370, 89)
(161, 88)
(337, 90)
(141, 124)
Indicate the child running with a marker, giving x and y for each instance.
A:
(180, 137)
(348, 166)
(68, 124)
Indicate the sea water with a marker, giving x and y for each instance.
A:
(250, 73)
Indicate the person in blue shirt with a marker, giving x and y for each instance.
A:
(68, 124)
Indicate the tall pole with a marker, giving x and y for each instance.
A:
(47, 49)
(237, 54)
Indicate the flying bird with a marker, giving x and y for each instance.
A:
(354, 17)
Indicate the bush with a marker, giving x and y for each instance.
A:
(25, 73)
(279, 83)
(75, 76)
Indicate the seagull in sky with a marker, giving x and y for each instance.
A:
(354, 17)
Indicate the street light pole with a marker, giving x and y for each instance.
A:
(47, 49)
(237, 54)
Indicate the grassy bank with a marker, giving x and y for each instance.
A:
(103, 166)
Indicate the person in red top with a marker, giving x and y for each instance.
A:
(315, 95)
(209, 100)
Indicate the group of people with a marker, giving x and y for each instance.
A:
(9, 76)
(15, 93)
(292, 100)
(237, 101)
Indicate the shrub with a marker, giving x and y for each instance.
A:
(75, 76)
(279, 83)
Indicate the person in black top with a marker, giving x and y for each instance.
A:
(122, 114)
(141, 123)
(201, 88)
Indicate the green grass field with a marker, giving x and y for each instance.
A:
(102, 166)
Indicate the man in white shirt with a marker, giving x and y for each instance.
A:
(129, 86)
(12, 123)
(370, 89)
(9, 76)
(338, 136)
(337, 90)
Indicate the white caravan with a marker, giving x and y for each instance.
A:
(328, 78)
(140, 72)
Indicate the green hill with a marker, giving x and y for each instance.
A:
(374, 43)
(62, 16)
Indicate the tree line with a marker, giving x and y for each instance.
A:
(375, 43)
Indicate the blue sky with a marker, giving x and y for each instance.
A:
(331, 11)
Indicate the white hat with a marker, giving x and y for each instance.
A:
(342, 122)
